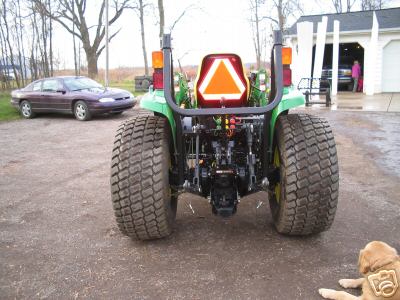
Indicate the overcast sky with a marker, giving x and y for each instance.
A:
(208, 26)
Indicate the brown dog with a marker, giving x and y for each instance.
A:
(380, 265)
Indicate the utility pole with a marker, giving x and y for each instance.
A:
(73, 39)
(79, 59)
(106, 73)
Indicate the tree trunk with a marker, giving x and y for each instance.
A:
(73, 40)
(92, 64)
(23, 67)
(7, 38)
(38, 48)
(51, 42)
(18, 33)
(3, 61)
(146, 66)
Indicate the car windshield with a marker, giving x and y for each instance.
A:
(81, 83)
(345, 62)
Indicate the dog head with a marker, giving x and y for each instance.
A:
(375, 255)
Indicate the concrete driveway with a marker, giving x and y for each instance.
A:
(58, 238)
(384, 102)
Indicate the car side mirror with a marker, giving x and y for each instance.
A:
(62, 91)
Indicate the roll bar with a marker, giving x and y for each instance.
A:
(170, 98)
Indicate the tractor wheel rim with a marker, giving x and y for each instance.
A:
(26, 110)
(80, 111)
(277, 164)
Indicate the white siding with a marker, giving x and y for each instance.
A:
(363, 38)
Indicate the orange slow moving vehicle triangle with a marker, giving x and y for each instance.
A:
(222, 82)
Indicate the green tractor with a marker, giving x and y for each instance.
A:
(234, 136)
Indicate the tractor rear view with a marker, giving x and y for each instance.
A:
(231, 137)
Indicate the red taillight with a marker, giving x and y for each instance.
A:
(287, 76)
(158, 79)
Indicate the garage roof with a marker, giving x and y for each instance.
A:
(354, 21)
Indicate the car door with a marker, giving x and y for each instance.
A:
(53, 95)
(34, 96)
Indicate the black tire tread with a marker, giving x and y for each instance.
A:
(139, 178)
(310, 174)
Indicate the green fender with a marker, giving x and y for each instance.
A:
(155, 101)
(291, 98)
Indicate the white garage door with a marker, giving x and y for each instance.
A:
(391, 67)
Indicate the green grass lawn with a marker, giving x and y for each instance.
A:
(126, 85)
(7, 111)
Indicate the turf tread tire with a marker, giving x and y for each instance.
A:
(309, 175)
(143, 206)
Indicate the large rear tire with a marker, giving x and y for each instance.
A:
(143, 205)
(304, 199)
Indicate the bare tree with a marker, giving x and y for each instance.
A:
(373, 4)
(5, 83)
(50, 40)
(67, 14)
(281, 10)
(255, 20)
(8, 38)
(337, 4)
(18, 29)
(74, 40)
(142, 33)
(341, 6)
(182, 14)
(42, 38)
(139, 7)
(36, 46)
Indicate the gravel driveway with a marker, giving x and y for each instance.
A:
(58, 238)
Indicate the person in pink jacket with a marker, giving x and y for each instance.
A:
(355, 74)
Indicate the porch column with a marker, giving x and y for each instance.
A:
(370, 59)
(304, 53)
(335, 57)
(320, 47)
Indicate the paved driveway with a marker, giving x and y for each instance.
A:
(58, 238)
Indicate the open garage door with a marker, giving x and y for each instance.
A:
(348, 53)
(391, 67)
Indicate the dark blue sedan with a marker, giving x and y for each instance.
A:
(78, 95)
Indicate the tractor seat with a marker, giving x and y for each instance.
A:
(221, 82)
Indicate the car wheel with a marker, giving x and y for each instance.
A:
(81, 111)
(26, 109)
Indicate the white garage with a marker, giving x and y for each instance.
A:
(391, 67)
(380, 63)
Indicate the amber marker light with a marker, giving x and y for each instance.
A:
(286, 56)
(157, 59)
